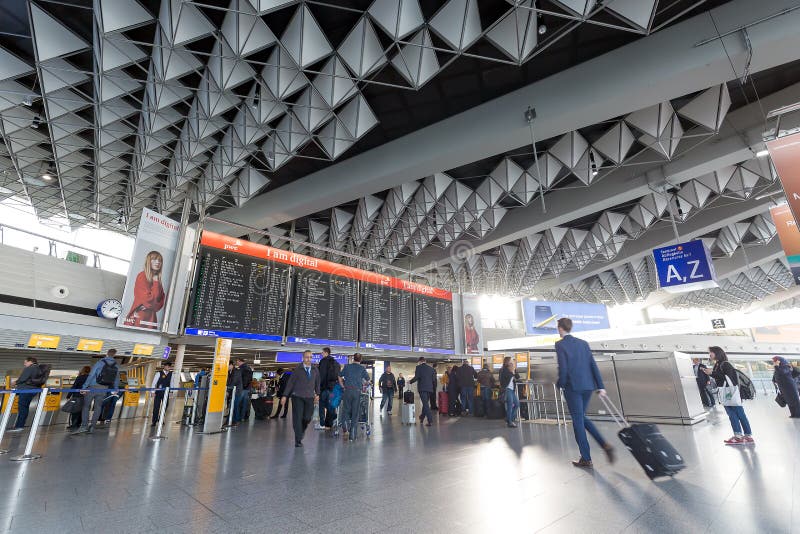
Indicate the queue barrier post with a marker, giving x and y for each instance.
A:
(6, 417)
(29, 455)
(161, 413)
(232, 407)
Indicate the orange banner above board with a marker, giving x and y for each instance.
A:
(240, 246)
(785, 154)
(43, 341)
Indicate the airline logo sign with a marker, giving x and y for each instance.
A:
(785, 154)
(685, 267)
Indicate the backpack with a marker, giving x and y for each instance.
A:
(40, 378)
(107, 375)
(336, 396)
(746, 388)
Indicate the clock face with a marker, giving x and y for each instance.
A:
(110, 309)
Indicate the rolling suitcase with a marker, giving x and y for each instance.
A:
(408, 397)
(478, 407)
(444, 403)
(408, 414)
(496, 409)
(262, 406)
(648, 445)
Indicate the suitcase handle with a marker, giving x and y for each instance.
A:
(615, 412)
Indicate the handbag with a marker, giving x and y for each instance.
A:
(729, 395)
(73, 405)
(780, 400)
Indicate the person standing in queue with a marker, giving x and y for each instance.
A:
(233, 387)
(702, 382)
(329, 370)
(486, 380)
(508, 389)
(352, 378)
(242, 403)
(303, 388)
(80, 380)
(742, 434)
(401, 385)
(103, 379)
(466, 381)
(163, 379)
(786, 385)
(26, 381)
(387, 385)
(453, 392)
(579, 376)
(425, 376)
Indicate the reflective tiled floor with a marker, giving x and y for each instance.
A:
(461, 475)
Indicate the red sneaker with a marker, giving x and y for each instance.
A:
(735, 440)
(748, 439)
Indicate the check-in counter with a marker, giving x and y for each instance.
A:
(544, 369)
(659, 387)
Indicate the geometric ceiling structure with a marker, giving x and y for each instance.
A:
(107, 107)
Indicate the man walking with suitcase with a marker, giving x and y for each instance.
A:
(579, 376)
(425, 376)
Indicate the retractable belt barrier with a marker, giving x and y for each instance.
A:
(29, 454)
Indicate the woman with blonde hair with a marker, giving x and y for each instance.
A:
(508, 390)
(148, 294)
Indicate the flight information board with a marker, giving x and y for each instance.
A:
(433, 322)
(385, 318)
(241, 291)
(238, 296)
(323, 309)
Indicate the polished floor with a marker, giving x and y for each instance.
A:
(461, 475)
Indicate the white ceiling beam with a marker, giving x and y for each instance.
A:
(659, 67)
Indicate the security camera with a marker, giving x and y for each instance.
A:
(60, 292)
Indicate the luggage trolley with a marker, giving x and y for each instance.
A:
(364, 413)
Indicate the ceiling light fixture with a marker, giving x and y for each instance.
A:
(27, 101)
(542, 29)
(47, 177)
(762, 153)
(36, 122)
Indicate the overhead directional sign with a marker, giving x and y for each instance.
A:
(685, 267)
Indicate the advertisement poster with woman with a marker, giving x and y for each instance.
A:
(149, 272)
(473, 328)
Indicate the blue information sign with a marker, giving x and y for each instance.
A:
(685, 267)
(297, 357)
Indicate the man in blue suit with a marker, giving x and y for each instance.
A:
(579, 376)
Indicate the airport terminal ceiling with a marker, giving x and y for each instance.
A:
(108, 107)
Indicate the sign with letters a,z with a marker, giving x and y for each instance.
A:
(684, 267)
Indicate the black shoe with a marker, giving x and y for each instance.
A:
(587, 464)
(298, 444)
(512, 425)
(283, 417)
(153, 424)
(609, 453)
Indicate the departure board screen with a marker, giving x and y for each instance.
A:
(238, 296)
(433, 322)
(323, 309)
(385, 317)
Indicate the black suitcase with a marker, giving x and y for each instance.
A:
(496, 409)
(262, 407)
(523, 410)
(648, 445)
(478, 408)
(408, 397)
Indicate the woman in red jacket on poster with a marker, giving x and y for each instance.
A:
(148, 294)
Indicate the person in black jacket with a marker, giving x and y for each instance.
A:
(303, 388)
(234, 381)
(425, 376)
(329, 370)
(242, 404)
(453, 391)
(466, 382)
(509, 377)
(401, 385)
(387, 385)
(723, 369)
(75, 418)
(786, 384)
(284, 378)
(25, 382)
(702, 382)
